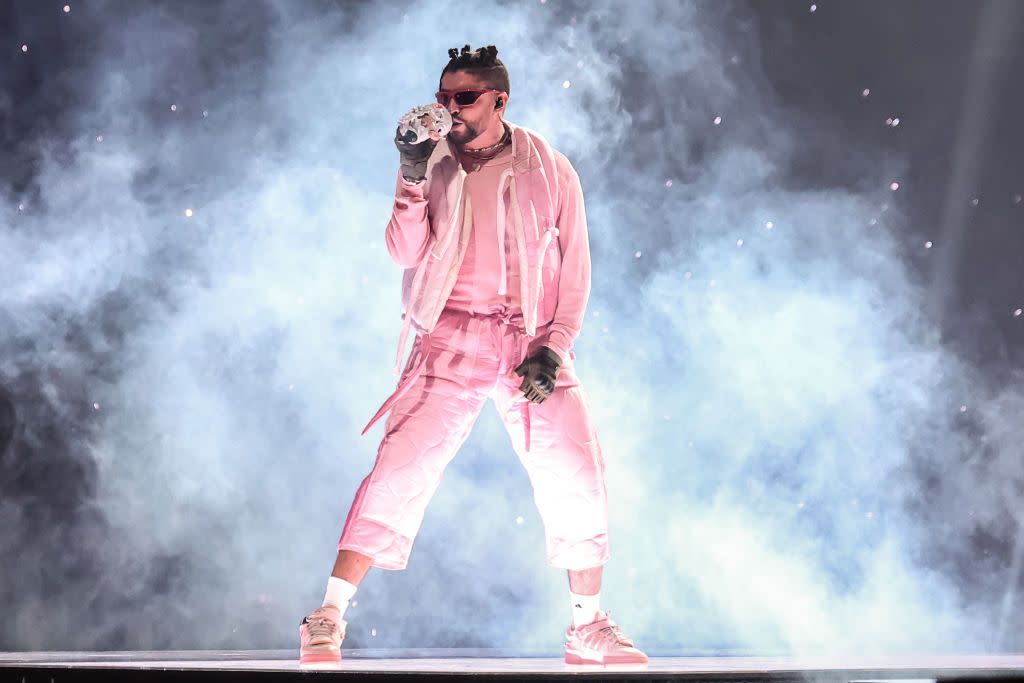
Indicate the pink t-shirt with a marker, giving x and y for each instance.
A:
(488, 255)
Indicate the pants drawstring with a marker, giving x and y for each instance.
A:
(505, 317)
(414, 367)
(525, 406)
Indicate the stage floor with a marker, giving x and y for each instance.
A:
(439, 664)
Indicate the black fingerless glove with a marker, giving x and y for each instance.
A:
(539, 372)
(414, 157)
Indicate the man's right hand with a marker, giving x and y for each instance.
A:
(414, 156)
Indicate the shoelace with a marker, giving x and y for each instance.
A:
(321, 627)
(608, 633)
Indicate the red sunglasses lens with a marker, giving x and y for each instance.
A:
(463, 98)
(466, 97)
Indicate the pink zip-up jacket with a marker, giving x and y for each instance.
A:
(430, 227)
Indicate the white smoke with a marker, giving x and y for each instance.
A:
(788, 465)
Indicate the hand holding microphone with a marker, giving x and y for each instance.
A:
(416, 136)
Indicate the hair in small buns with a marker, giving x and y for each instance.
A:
(482, 63)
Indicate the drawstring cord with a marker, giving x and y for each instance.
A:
(506, 176)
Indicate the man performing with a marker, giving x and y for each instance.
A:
(490, 228)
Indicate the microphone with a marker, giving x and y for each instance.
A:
(416, 125)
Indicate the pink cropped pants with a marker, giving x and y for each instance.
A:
(450, 374)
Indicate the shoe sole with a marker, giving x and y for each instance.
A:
(579, 660)
(319, 660)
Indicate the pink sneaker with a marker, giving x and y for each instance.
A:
(601, 642)
(320, 636)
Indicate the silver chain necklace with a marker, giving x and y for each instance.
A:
(483, 154)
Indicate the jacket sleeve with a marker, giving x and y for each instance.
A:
(408, 230)
(574, 274)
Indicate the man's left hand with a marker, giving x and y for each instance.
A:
(539, 372)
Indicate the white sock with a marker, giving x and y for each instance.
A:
(339, 592)
(584, 608)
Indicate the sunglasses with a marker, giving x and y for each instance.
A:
(463, 98)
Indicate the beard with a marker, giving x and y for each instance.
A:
(463, 134)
